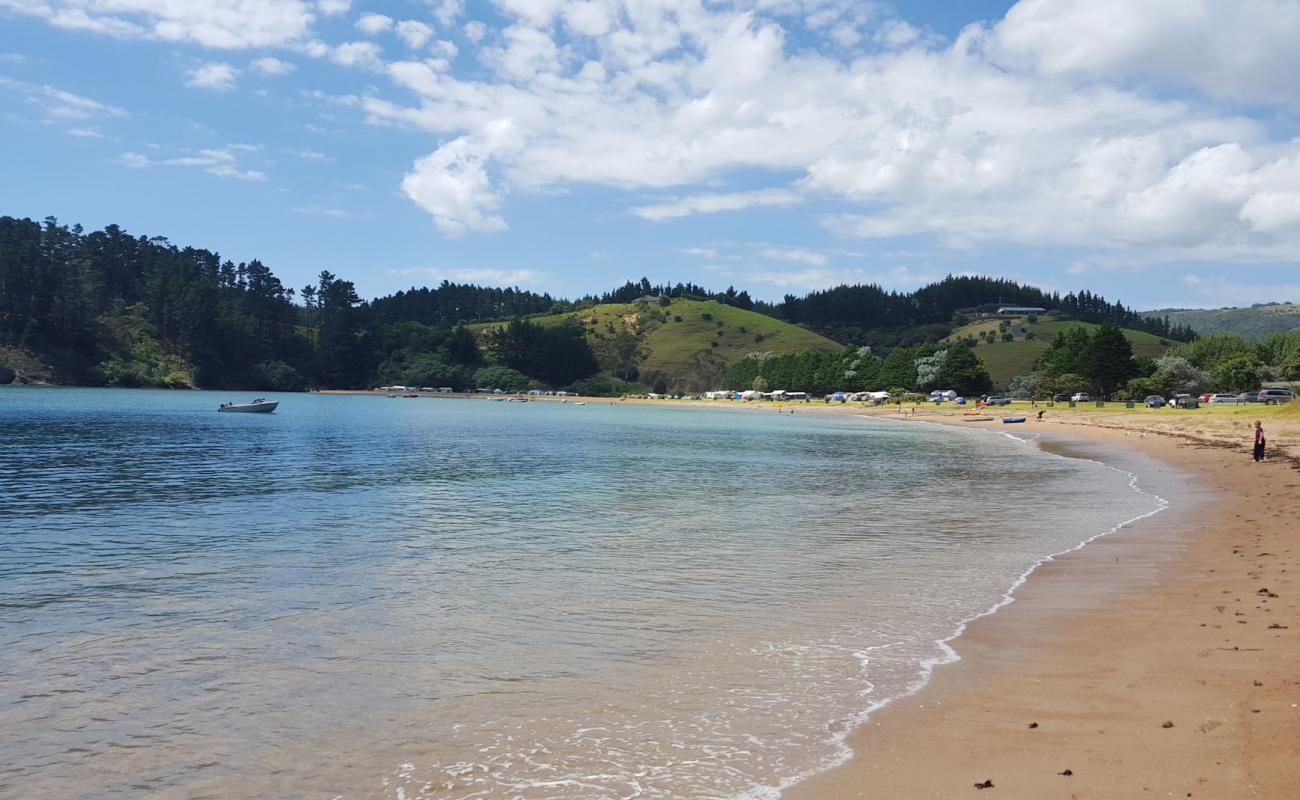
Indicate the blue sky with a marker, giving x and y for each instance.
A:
(1149, 151)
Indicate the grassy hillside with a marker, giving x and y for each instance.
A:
(1255, 322)
(1005, 360)
(689, 343)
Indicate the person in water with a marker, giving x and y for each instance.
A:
(1259, 441)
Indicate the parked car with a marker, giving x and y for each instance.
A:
(996, 400)
(1222, 397)
(1180, 399)
(1274, 396)
(1248, 397)
(1080, 397)
(1205, 398)
(1060, 398)
(1154, 401)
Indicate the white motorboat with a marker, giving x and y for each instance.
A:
(259, 406)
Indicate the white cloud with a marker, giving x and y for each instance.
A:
(309, 155)
(713, 203)
(216, 75)
(1218, 291)
(323, 211)
(414, 33)
(452, 184)
(701, 252)
(230, 24)
(447, 11)
(370, 23)
(1242, 50)
(85, 133)
(357, 54)
(221, 162)
(475, 30)
(489, 276)
(793, 254)
(333, 8)
(58, 105)
(990, 138)
(269, 65)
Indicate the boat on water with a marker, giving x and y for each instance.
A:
(259, 406)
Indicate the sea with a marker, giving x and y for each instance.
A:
(373, 597)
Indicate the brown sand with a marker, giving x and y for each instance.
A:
(1163, 661)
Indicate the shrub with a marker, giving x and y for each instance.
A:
(706, 316)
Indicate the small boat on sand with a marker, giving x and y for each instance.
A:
(259, 406)
(1009, 420)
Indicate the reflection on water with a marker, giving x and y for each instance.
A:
(372, 597)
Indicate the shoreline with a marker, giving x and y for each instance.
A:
(1134, 632)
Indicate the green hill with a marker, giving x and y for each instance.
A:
(688, 344)
(1006, 360)
(1254, 322)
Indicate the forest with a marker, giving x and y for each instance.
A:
(107, 308)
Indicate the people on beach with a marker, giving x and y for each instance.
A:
(1259, 441)
(1040, 415)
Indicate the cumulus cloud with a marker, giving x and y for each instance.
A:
(414, 33)
(357, 54)
(1047, 127)
(272, 66)
(212, 23)
(1244, 50)
(374, 23)
(221, 162)
(216, 75)
(452, 184)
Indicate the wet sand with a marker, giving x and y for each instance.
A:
(1161, 661)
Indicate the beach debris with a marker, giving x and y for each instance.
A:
(987, 783)
(1276, 627)
(1167, 724)
(1259, 683)
(1067, 772)
(1033, 725)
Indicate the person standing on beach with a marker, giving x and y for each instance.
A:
(1259, 441)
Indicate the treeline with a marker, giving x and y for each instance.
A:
(905, 369)
(631, 291)
(108, 308)
(454, 304)
(869, 315)
(1102, 361)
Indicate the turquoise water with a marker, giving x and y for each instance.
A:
(374, 597)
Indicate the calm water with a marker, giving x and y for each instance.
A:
(392, 598)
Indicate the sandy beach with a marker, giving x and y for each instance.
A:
(1162, 661)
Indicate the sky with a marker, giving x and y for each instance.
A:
(1147, 151)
